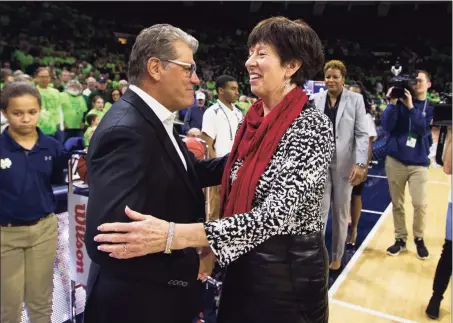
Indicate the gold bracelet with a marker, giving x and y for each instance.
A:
(171, 233)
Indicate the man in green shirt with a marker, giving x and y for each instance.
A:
(74, 107)
(52, 117)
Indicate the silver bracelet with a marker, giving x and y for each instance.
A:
(171, 233)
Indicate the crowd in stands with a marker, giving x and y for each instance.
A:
(94, 61)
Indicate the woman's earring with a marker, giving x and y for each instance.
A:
(287, 84)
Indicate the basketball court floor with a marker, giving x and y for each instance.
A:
(376, 288)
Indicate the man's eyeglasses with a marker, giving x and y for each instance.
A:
(189, 68)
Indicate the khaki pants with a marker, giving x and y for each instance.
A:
(398, 175)
(26, 264)
(214, 203)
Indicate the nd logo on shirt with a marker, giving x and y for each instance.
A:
(5, 163)
(47, 158)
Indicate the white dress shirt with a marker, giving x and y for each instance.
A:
(221, 123)
(165, 116)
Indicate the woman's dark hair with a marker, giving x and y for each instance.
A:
(293, 40)
(364, 93)
(18, 89)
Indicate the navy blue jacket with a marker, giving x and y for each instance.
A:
(26, 178)
(194, 117)
(395, 120)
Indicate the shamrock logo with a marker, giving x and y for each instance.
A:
(5, 163)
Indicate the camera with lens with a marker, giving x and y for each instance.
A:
(401, 82)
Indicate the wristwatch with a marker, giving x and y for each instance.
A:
(362, 165)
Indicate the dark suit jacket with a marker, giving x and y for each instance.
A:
(132, 161)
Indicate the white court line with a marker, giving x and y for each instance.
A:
(372, 312)
(439, 182)
(374, 212)
(359, 252)
(377, 176)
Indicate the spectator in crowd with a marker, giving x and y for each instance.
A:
(194, 133)
(407, 121)
(444, 266)
(5, 77)
(97, 107)
(346, 111)
(34, 161)
(93, 121)
(101, 91)
(91, 87)
(122, 86)
(23, 78)
(220, 123)
(243, 104)
(74, 108)
(194, 115)
(116, 95)
(64, 78)
(51, 116)
(270, 236)
(356, 198)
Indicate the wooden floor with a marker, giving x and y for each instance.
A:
(375, 287)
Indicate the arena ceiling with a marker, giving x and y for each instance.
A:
(333, 18)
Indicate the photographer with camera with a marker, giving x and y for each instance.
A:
(407, 120)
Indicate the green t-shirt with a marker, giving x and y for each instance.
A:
(87, 135)
(210, 85)
(107, 107)
(74, 108)
(51, 101)
(244, 106)
(46, 123)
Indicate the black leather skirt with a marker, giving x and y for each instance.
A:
(283, 280)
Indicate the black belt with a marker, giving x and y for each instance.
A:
(24, 224)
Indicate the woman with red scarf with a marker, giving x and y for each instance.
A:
(271, 234)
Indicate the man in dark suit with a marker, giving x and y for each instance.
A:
(136, 159)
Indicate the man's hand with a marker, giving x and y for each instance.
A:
(407, 100)
(357, 175)
(392, 100)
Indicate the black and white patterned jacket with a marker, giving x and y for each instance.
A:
(288, 196)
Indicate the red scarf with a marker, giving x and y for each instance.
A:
(255, 144)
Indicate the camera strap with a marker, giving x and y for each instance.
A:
(411, 137)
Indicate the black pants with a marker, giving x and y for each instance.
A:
(443, 271)
(119, 301)
(283, 280)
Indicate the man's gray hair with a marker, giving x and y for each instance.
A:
(156, 41)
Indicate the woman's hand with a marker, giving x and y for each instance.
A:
(146, 235)
(207, 262)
